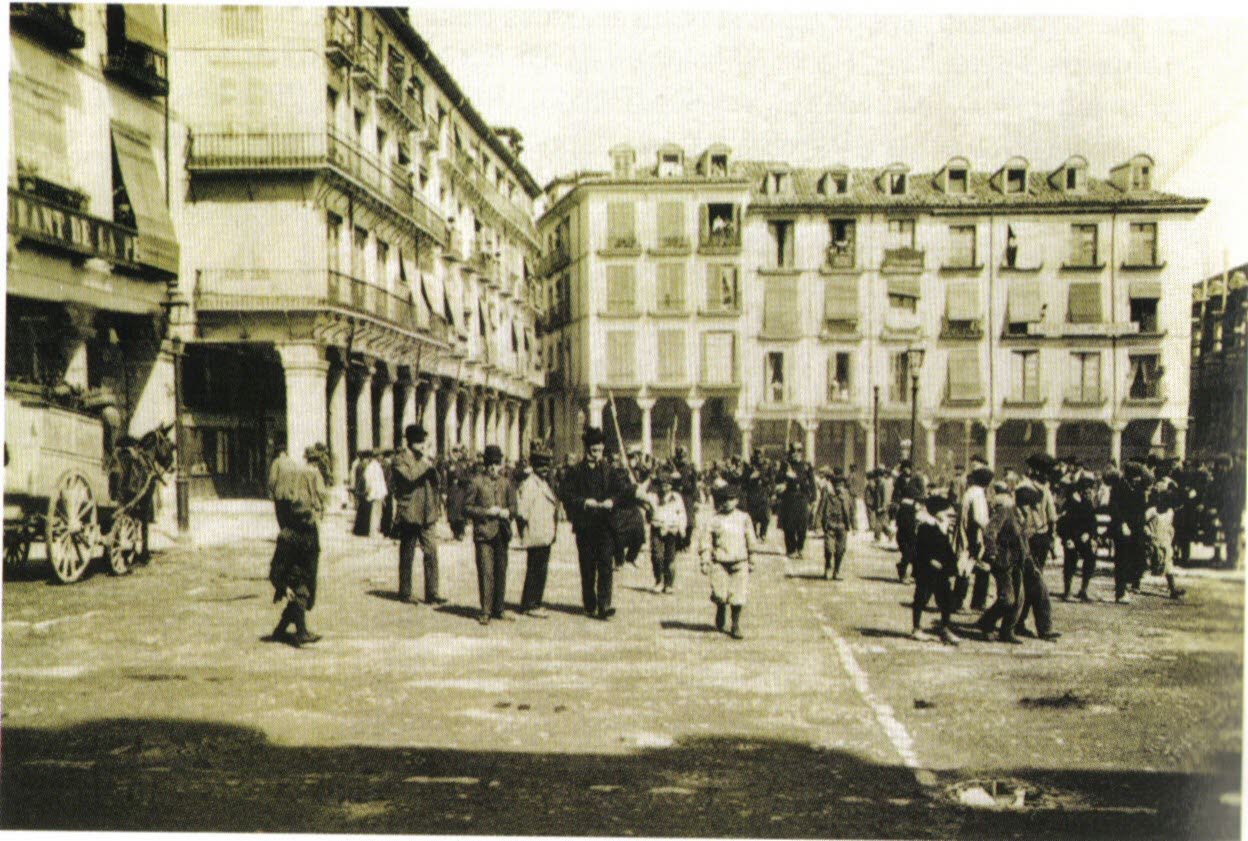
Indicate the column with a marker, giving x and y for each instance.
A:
(407, 392)
(929, 443)
(596, 407)
(500, 425)
(1050, 437)
(466, 426)
(306, 373)
(990, 443)
(1115, 441)
(645, 404)
(385, 414)
(1180, 437)
(513, 432)
(338, 422)
(429, 418)
(450, 424)
(810, 426)
(869, 432)
(695, 430)
(746, 427)
(363, 409)
(479, 419)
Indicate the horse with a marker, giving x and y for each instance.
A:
(135, 469)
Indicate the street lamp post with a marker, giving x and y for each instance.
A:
(182, 482)
(914, 362)
(875, 428)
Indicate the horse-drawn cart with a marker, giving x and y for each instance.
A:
(61, 488)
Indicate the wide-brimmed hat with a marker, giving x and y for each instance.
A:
(493, 454)
(1040, 461)
(936, 503)
(593, 435)
(981, 476)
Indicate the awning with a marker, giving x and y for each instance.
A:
(904, 287)
(158, 245)
(516, 341)
(455, 298)
(1084, 304)
(964, 381)
(962, 301)
(143, 24)
(47, 278)
(840, 299)
(410, 280)
(1024, 304)
(435, 295)
(1145, 287)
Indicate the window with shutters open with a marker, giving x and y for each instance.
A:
(621, 357)
(781, 311)
(1025, 376)
(333, 241)
(720, 224)
(899, 377)
(719, 361)
(1145, 382)
(672, 356)
(839, 374)
(774, 388)
(782, 237)
(621, 290)
(359, 268)
(670, 289)
(721, 289)
(842, 235)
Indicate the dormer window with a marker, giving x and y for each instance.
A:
(777, 183)
(671, 162)
(1015, 180)
(834, 184)
(622, 159)
(1141, 177)
(719, 166)
(959, 181)
(896, 183)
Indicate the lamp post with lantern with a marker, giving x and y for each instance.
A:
(914, 364)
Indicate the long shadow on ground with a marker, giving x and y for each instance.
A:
(192, 776)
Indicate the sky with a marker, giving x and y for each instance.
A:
(817, 89)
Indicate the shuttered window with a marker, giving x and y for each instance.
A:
(781, 312)
(1083, 245)
(1142, 248)
(40, 144)
(783, 248)
(721, 288)
(671, 225)
(621, 357)
(1084, 304)
(899, 378)
(1025, 376)
(621, 290)
(672, 356)
(1084, 378)
(840, 304)
(719, 362)
(962, 246)
(621, 232)
(1024, 302)
(670, 288)
(964, 377)
(962, 302)
(157, 245)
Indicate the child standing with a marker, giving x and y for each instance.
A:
(726, 548)
(667, 529)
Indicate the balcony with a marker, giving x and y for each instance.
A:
(464, 169)
(903, 260)
(724, 241)
(1025, 399)
(961, 329)
(553, 262)
(51, 23)
(39, 221)
(840, 257)
(339, 38)
(367, 64)
(399, 101)
(1083, 397)
(620, 245)
(138, 66)
(1150, 394)
(313, 290)
(295, 151)
(672, 246)
(485, 264)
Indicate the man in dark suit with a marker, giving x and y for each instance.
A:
(417, 506)
(490, 502)
(795, 485)
(835, 517)
(590, 491)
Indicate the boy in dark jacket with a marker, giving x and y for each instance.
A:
(935, 566)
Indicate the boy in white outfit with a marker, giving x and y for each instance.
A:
(667, 529)
(726, 548)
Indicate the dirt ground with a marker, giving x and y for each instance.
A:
(150, 702)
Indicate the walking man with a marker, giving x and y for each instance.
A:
(796, 488)
(537, 521)
(417, 506)
(590, 491)
(836, 518)
(299, 501)
(489, 503)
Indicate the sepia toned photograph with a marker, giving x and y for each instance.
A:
(678, 421)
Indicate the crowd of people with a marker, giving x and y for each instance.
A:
(960, 537)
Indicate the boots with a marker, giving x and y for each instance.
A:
(721, 614)
(735, 632)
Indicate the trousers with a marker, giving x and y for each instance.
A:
(1083, 552)
(593, 553)
(833, 550)
(1009, 583)
(536, 564)
(928, 583)
(411, 536)
(491, 557)
(1034, 599)
(662, 556)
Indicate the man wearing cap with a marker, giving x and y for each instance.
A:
(1128, 503)
(298, 493)
(489, 503)
(908, 491)
(628, 519)
(796, 488)
(687, 487)
(1076, 528)
(537, 515)
(836, 517)
(590, 491)
(760, 482)
(1038, 515)
(417, 506)
(972, 521)
(1005, 552)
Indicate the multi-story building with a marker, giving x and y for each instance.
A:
(92, 250)
(357, 242)
(1219, 364)
(1028, 309)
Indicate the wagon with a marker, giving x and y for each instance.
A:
(57, 489)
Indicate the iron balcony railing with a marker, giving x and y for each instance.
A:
(284, 290)
(399, 100)
(393, 185)
(139, 66)
(466, 167)
(903, 259)
(367, 61)
(339, 37)
(50, 22)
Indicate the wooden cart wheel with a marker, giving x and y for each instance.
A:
(124, 543)
(16, 550)
(73, 527)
